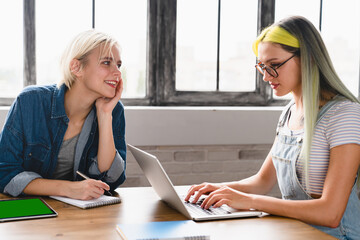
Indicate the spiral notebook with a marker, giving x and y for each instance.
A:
(101, 201)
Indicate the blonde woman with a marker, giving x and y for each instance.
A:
(53, 131)
(315, 157)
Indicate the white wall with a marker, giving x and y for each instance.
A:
(157, 126)
(3, 112)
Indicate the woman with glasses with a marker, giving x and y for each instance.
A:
(315, 157)
(51, 132)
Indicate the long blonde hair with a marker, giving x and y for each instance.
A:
(318, 75)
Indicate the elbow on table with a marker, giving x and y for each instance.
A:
(333, 224)
(329, 213)
(332, 220)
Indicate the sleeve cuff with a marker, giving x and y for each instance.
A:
(18, 183)
(115, 171)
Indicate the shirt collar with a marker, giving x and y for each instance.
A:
(57, 106)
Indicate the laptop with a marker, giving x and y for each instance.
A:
(163, 186)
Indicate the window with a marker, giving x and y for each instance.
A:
(196, 45)
(191, 72)
(341, 41)
(11, 48)
(285, 8)
(127, 21)
(213, 52)
(54, 31)
(153, 81)
(342, 38)
(174, 52)
(237, 33)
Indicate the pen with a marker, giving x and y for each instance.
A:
(86, 177)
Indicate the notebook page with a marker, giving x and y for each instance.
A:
(101, 201)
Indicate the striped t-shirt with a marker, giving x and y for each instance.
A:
(339, 125)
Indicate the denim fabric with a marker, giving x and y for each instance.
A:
(285, 154)
(33, 133)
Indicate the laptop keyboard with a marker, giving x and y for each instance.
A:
(196, 209)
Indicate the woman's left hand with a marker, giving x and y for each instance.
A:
(106, 105)
(229, 196)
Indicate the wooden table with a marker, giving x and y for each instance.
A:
(143, 205)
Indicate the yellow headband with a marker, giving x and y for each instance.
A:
(275, 34)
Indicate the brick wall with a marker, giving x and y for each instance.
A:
(188, 165)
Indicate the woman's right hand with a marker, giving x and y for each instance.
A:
(204, 188)
(86, 189)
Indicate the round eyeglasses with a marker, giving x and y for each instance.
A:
(270, 69)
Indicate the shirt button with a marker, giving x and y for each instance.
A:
(299, 139)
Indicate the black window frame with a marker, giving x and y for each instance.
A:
(161, 74)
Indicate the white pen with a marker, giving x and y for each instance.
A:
(86, 177)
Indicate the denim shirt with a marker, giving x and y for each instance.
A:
(34, 131)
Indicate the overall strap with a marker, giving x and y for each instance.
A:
(284, 115)
(327, 106)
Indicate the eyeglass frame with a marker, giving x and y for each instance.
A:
(261, 69)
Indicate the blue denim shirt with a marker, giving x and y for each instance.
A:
(34, 131)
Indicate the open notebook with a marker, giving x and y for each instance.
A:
(101, 201)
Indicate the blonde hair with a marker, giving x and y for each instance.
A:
(80, 48)
(317, 72)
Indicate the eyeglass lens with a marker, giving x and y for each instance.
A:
(260, 67)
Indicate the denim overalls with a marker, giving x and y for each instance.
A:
(285, 154)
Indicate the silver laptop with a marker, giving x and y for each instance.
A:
(160, 181)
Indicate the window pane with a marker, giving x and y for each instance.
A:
(286, 8)
(127, 22)
(11, 47)
(342, 37)
(196, 45)
(57, 23)
(306, 8)
(237, 33)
